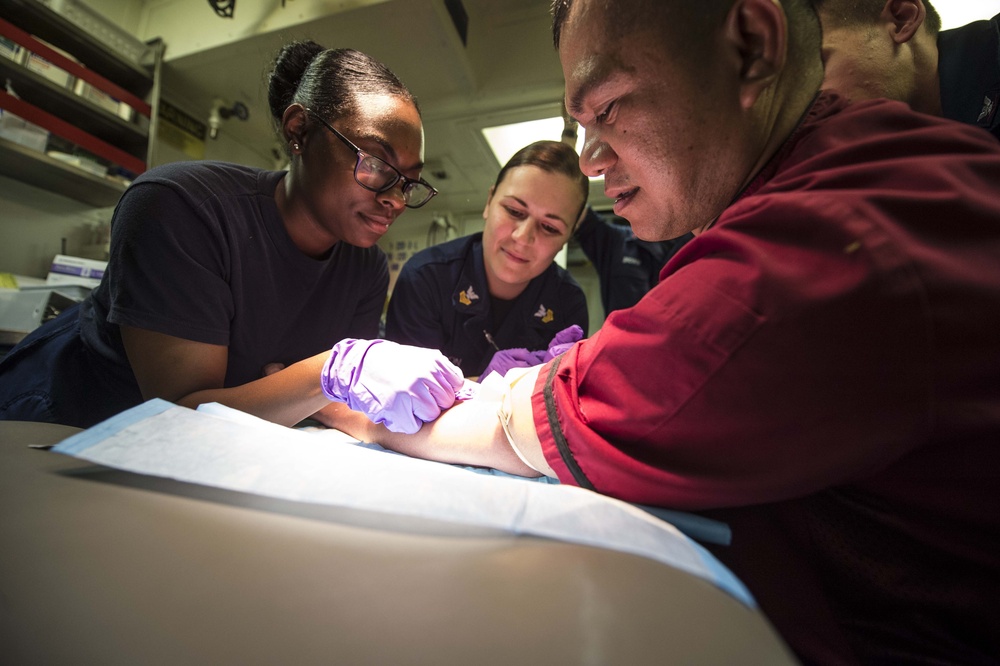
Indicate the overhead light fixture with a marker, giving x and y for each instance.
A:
(505, 140)
(956, 13)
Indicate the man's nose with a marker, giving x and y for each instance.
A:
(596, 156)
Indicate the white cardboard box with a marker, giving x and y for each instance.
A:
(76, 270)
(11, 49)
(40, 65)
(96, 96)
(16, 129)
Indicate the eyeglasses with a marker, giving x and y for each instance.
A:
(377, 175)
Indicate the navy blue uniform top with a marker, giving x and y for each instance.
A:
(441, 301)
(627, 267)
(969, 72)
(198, 251)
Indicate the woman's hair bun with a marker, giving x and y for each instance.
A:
(289, 66)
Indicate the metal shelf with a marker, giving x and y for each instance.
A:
(62, 102)
(94, 50)
(36, 18)
(40, 170)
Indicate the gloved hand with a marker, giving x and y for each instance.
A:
(563, 340)
(398, 385)
(505, 359)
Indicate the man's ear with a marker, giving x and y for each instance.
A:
(293, 124)
(904, 18)
(758, 31)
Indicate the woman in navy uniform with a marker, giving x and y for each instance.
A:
(499, 289)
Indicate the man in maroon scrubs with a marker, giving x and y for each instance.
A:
(819, 367)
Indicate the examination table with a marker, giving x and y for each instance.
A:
(100, 566)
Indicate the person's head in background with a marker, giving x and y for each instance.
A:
(683, 102)
(333, 193)
(882, 48)
(530, 213)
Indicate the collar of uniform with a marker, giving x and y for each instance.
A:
(471, 294)
(536, 313)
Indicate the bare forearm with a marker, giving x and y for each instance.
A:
(469, 434)
(285, 397)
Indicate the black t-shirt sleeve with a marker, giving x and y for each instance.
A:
(168, 266)
(370, 305)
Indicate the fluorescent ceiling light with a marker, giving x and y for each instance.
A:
(955, 13)
(505, 140)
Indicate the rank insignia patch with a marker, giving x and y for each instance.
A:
(545, 314)
(467, 296)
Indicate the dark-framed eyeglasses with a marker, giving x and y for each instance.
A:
(377, 175)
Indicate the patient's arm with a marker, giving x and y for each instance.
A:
(469, 433)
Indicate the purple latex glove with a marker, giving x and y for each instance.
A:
(505, 359)
(563, 340)
(398, 385)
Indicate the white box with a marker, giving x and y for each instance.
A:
(12, 50)
(20, 131)
(96, 96)
(126, 112)
(76, 270)
(40, 65)
(84, 164)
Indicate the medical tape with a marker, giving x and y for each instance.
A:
(505, 411)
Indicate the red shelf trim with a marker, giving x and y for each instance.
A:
(70, 132)
(29, 42)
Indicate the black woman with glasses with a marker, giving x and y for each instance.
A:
(219, 270)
